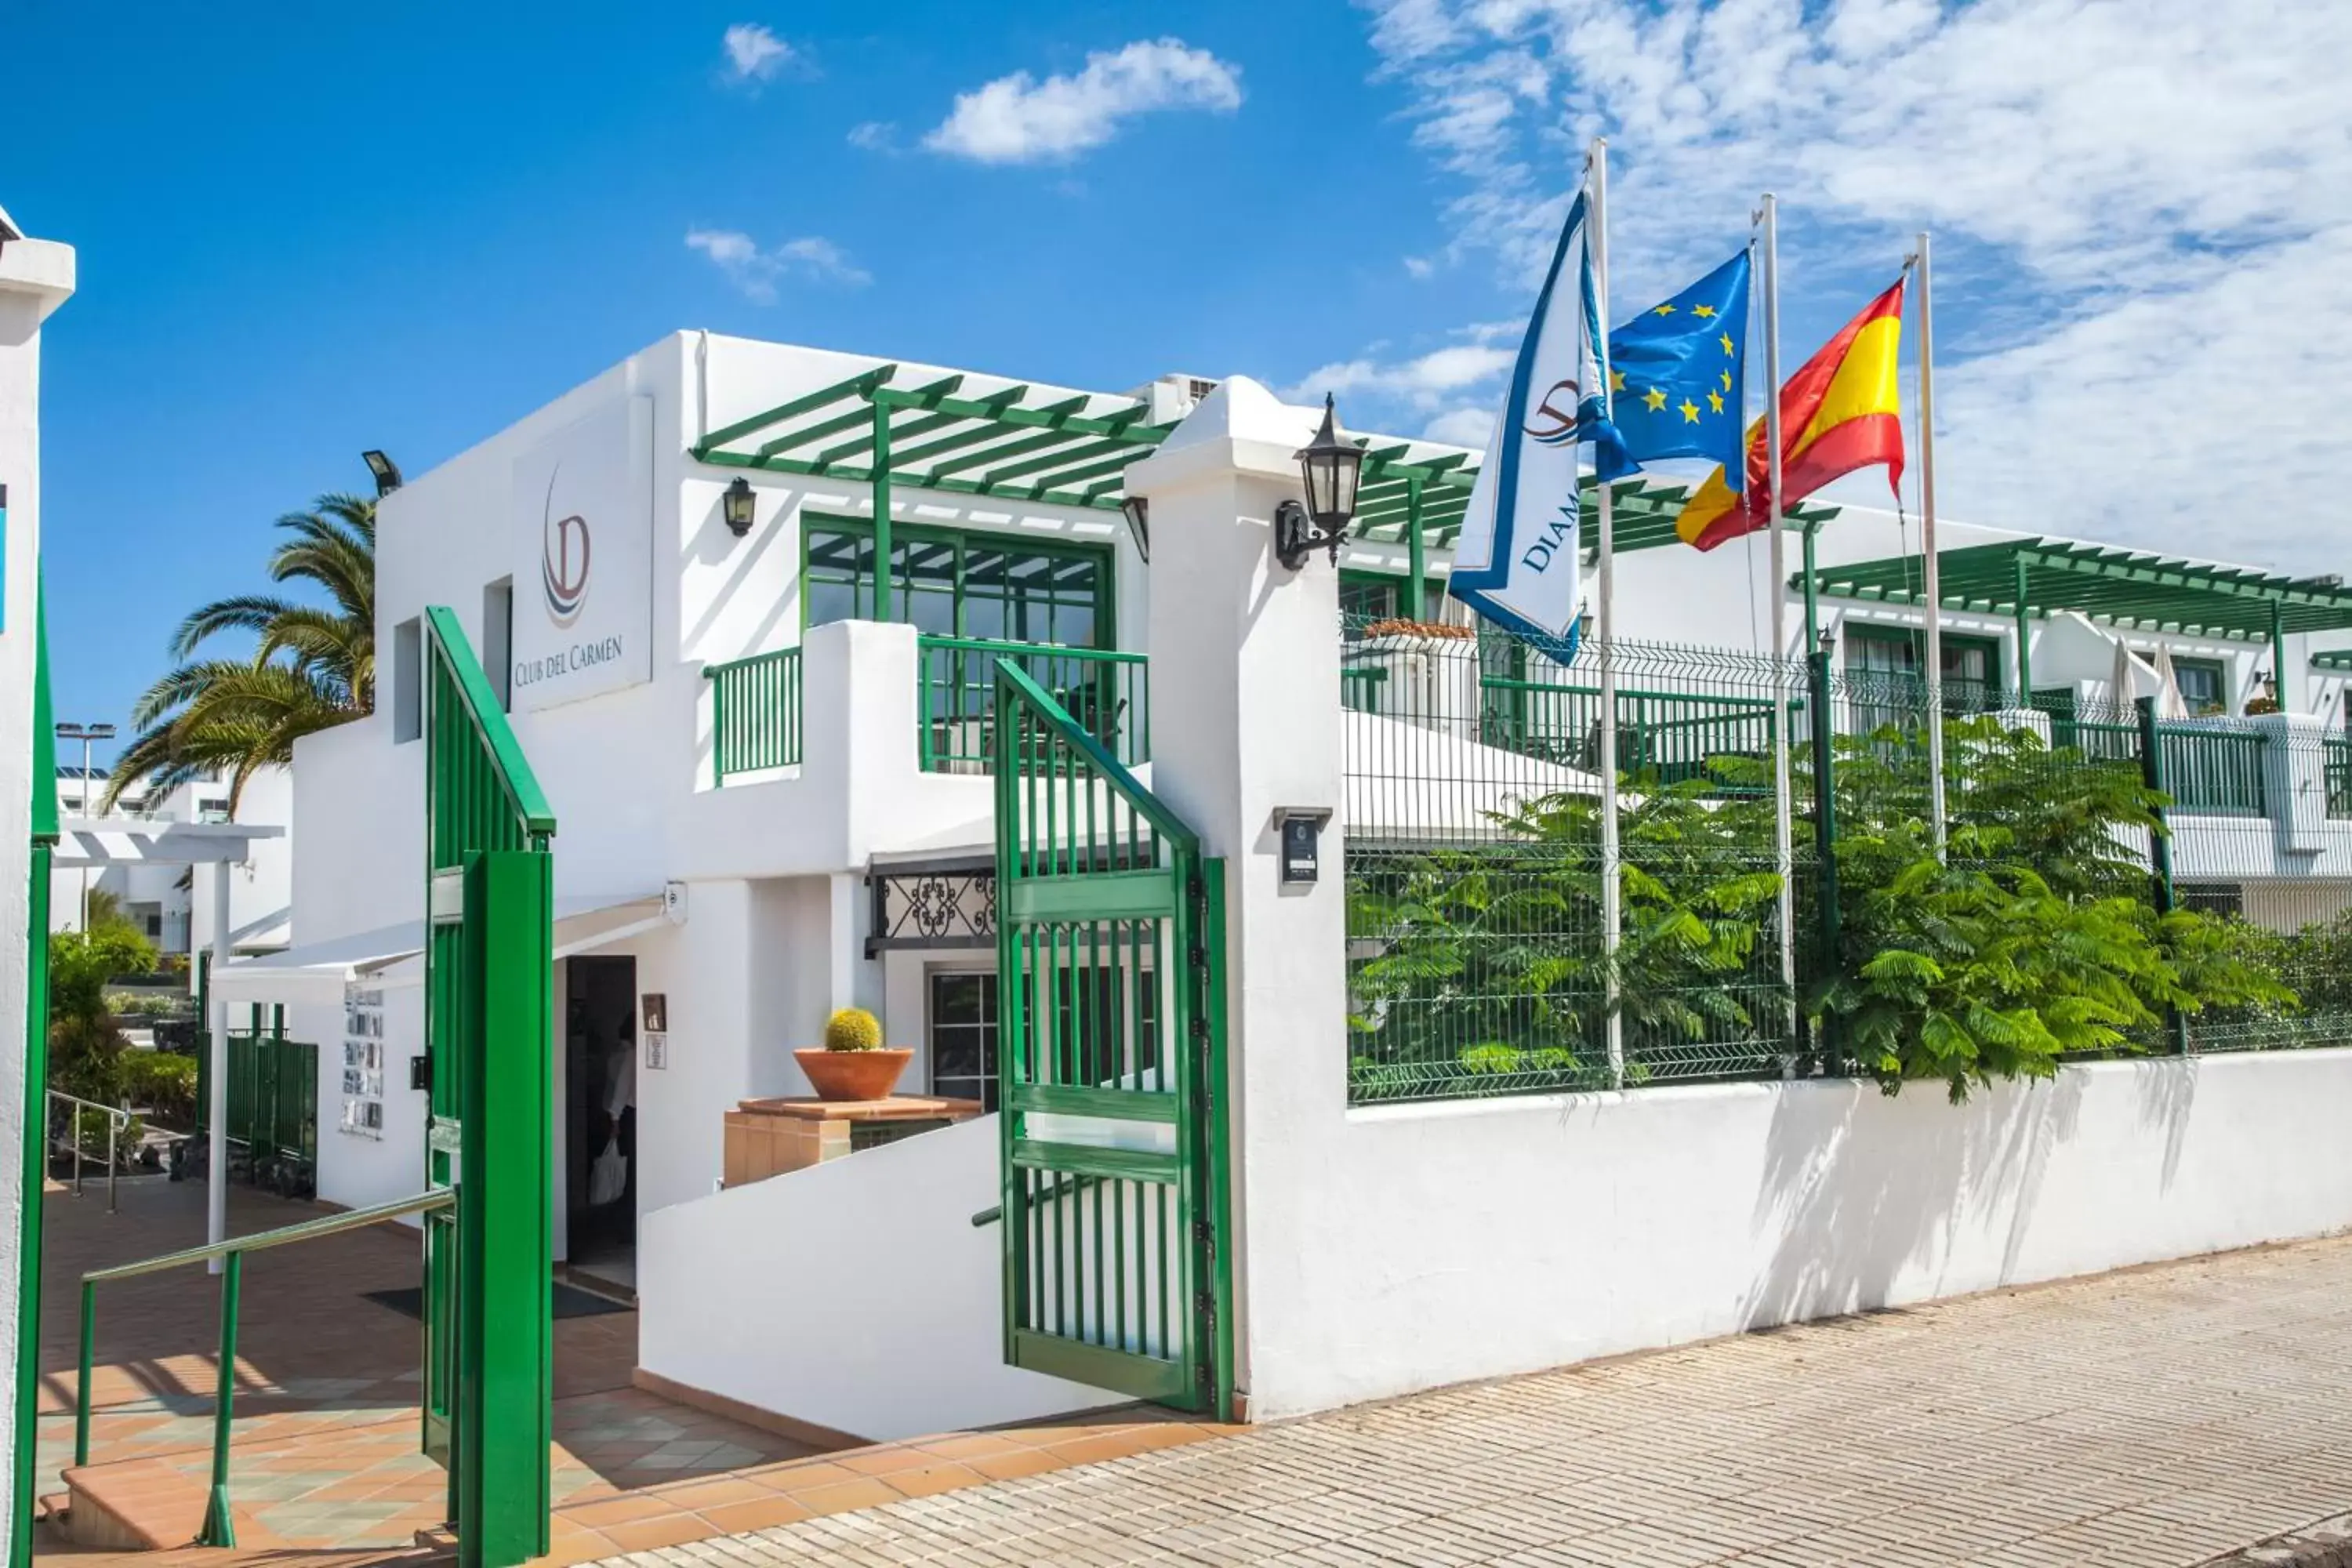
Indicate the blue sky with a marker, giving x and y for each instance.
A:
(307, 230)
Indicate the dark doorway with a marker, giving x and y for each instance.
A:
(600, 1119)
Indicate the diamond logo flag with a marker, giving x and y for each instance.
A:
(1516, 561)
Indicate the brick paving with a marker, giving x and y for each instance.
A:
(325, 1467)
(2151, 1418)
(325, 1448)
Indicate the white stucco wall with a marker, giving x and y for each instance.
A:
(1387, 1249)
(36, 277)
(856, 1294)
(1556, 1229)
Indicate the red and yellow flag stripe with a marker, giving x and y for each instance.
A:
(1840, 412)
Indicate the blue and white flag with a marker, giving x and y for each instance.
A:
(1518, 560)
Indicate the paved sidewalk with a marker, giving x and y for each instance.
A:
(2153, 1418)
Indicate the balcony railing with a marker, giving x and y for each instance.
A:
(756, 713)
(2214, 771)
(2339, 777)
(1671, 736)
(1105, 689)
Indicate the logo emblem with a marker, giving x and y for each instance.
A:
(563, 549)
(1554, 419)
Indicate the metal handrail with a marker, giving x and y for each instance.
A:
(219, 1529)
(117, 1119)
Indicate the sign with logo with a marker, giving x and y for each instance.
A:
(582, 511)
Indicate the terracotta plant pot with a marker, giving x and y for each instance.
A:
(852, 1075)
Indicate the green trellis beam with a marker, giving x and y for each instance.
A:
(2037, 577)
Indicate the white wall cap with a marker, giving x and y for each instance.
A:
(41, 268)
(1241, 427)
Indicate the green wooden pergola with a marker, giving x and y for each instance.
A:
(2025, 578)
(2336, 662)
(1015, 444)
(1009, 444)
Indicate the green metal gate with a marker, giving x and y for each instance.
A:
(34, 1155)
(488, 1018)
(1111, 949)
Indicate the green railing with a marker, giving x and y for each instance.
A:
(1106, 690)
(218, 1528)
(755, 713)
(2214, 771)
(1666, 736)
(2339, 767)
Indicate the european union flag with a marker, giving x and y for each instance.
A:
(1677, 370)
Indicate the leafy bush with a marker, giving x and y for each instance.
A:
(161, 1082)
(145, 1005)
(83, 1041)
(2031, 938)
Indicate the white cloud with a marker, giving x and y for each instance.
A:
(759, 273)
(2139, 207)
(1424, 384)
(754, 54)
(1461, 427)
(1017, 119)
(874, 136)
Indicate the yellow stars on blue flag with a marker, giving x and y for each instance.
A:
(1676, 371)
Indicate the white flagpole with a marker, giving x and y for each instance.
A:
(1931, 578)
(1783, 860)
(1613, 915)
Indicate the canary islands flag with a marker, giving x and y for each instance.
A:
(1676, 372)
(1516, 561)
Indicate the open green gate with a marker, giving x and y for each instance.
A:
(489, 1019)
(1110, 1051)
(44, 834)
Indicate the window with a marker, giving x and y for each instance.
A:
(963, 1038)
(498, 639)
(2204, 684)
(962, 1029)
(408, 681)
(953, 584)
(1890, 657)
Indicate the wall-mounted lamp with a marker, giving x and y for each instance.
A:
(742, 506)
(1139, 523)
(1330, 468)
(386, 472)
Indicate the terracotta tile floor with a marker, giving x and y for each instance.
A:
(325, 1467)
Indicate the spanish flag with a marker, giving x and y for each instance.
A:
(1838, 414)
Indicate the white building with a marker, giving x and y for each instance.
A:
(173, 904)
(36, 277)
(771, 805)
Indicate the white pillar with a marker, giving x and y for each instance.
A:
(1245, 719)
(35, 278)
(216, 1112)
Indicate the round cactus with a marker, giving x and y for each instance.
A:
(852, 1029)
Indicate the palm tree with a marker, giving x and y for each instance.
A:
(312, 667)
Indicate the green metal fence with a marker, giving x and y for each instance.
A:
(1479, 956)
(273, 1105)
(755, 713)
(1106, 690)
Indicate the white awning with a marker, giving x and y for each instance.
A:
(624, 914)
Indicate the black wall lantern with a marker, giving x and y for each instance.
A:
(1139, 523)
(1330, 468)
(742, 506)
